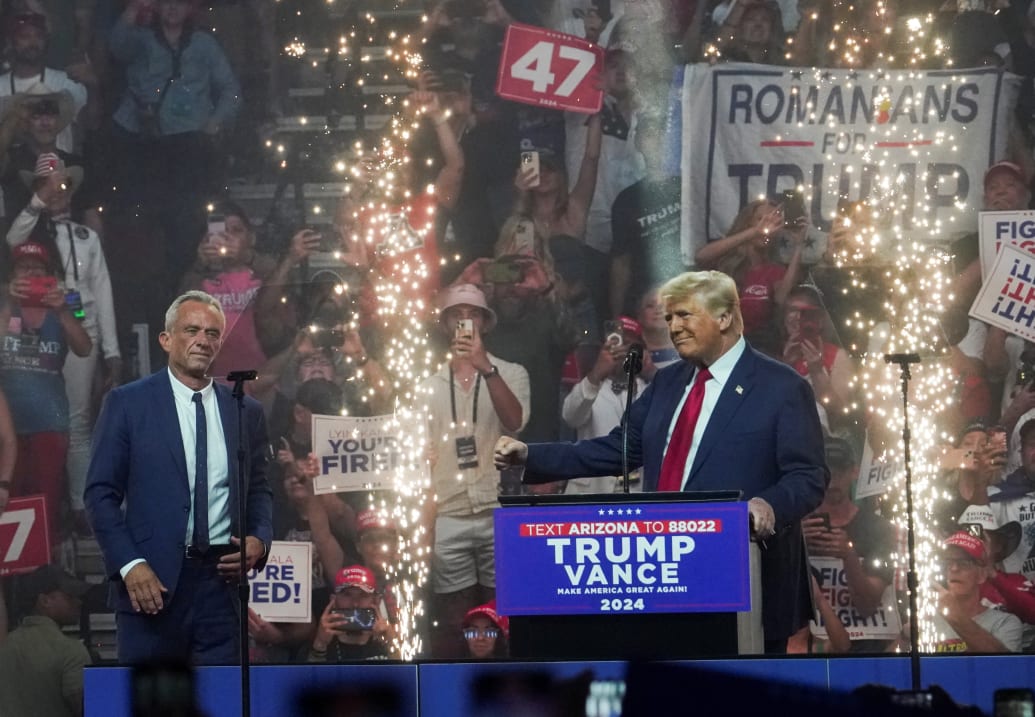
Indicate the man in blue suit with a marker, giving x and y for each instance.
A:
(162, 497)
(755, 429)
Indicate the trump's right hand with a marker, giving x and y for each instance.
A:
(509, 452)
(146, 591)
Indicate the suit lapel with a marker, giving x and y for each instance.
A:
(164, 403)
(734, 393)
(672, 398)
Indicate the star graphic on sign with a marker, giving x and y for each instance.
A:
(810, 242)
(796, 74)
(853, 75)
(600, 512)
(638, 511)
(826, 75)
(611, 512)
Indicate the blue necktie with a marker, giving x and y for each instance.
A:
(200, 536)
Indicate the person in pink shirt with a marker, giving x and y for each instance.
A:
(229, 268)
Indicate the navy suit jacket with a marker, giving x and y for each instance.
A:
(137, 493)
(763, 438)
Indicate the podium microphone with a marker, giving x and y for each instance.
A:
(235, 376)
(902, 359)
(633, 365)
(633, 361)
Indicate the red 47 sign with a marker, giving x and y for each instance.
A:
(24, 541)
(550, 69)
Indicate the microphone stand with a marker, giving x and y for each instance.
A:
(903, 361)
(237, 378)
(632, 366)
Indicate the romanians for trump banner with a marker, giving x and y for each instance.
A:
(923, 139)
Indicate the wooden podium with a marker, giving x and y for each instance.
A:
(628, 576)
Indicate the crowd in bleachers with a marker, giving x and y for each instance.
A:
(121, 127)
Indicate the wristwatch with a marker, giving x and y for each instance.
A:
(494, 371)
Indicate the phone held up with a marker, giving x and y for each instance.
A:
(793, 207)
(216, 224)
(531, 159)
(464, 328)
(612, 333)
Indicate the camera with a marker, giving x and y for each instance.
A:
(1026, 371)
(356, 618)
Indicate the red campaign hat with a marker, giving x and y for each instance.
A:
(30, 250)
(355, 576)
(631, 325)
(489, 610)
(970, 544)
(369, 519)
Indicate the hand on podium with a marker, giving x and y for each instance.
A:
(509, 452)
(763, 520)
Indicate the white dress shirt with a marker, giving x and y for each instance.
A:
(720, 370)
(218, 460)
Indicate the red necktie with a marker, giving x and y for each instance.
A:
(671, 477)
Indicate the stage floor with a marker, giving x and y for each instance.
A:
(440, 688)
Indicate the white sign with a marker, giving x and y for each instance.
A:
(883, 624)
(283, 590)
(1007, 296)
(997, 228)
(875, 476)
(927, 136)
(357, 453)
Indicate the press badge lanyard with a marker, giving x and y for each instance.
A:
(466, 448)
(71, 255)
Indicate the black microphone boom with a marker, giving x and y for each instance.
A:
(901, 359)
(235, 376)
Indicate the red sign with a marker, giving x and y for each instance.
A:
(550, 69)
(24, 539)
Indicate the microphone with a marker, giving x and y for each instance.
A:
(902, 358)
(235, 376)
(633, 361)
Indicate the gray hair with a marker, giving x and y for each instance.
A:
(195, 295)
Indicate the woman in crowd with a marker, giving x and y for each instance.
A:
(747, 254)
(486, 632)
(811, 348)
(543, 198)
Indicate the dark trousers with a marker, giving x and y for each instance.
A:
(170, 179)
(199, 625)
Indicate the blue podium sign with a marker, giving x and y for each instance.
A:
(628, 558)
